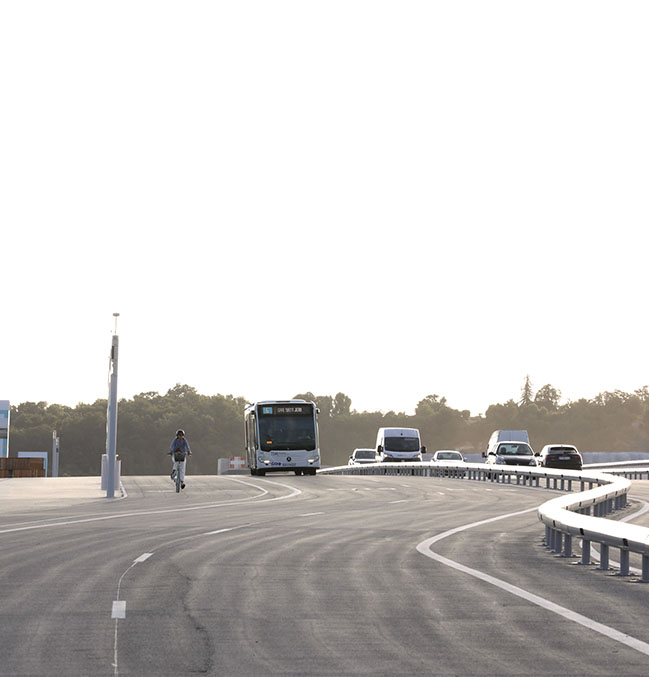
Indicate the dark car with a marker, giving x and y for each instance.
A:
(561, 456)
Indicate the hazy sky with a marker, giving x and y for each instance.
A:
(388, 199)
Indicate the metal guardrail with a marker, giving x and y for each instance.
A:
(579, 514)
(642, 463)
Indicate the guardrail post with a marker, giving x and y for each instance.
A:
(569, 485)
(645, 568)
(585, 552)
(603, 557)
(558, 537)
(624, 562)
(548, 536)
(567, 546)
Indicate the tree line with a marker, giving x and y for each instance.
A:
(611, 421)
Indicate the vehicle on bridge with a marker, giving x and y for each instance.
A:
(561, 456)
(362, 456)
(510, 447)
(398, 444)
(446, 456)
(282, 435)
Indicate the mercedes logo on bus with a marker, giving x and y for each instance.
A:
(288, 458)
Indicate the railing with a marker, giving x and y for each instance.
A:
(578, 515)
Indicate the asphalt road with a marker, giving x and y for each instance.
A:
(322, 575)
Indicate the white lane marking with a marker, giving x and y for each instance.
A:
(308, 514)
(119, 606)
(441, 493)
(403, 500)
(424, 549)
(642, 511)
(222, 531)
(203, 506)
(143, 557)
(218, 531)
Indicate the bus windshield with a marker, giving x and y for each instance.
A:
(286, 433)
(402, 444)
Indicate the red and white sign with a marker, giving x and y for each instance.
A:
(237, 462)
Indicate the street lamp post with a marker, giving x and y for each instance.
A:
(111, 425)
(55, 454)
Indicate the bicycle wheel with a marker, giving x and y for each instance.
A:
(178, 480)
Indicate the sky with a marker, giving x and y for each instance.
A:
(386, 199)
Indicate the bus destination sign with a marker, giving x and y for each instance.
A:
(287, 410)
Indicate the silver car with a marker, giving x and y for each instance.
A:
(446, 456)
(360, 456)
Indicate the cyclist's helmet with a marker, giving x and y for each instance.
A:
(180, 432)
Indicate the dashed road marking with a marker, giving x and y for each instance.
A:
(142, 558)
(119, 609)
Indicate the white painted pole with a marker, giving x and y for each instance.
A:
(55, 455)
(111, 428)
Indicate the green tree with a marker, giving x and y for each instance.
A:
(341, 405)
(527, 392)
(547, 397)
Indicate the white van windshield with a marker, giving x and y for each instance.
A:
(402, 444)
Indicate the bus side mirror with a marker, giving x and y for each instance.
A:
(484, 454)
(423, 450)
(379, 449)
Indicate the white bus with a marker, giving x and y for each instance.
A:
(282, 435)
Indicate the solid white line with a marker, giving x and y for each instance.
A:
(308, 514)
(142, 558)
(424, 549)
(403, 500)
(119, 609)
(204, 506)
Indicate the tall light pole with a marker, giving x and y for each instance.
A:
(55, 455)
(111, 422)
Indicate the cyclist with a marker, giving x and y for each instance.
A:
(179, 450)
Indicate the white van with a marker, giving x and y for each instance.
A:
(398, 444)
